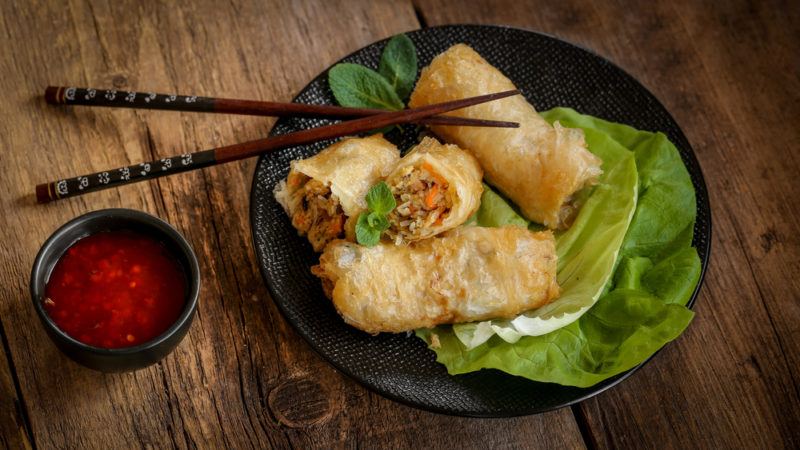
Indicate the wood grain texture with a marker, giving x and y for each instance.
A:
(728, 72)
(242, 377)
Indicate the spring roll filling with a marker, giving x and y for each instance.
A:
(318, 214)
(422, 201)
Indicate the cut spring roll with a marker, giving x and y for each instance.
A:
(437, 188)
(468, 274)
(324, 194)
(538, 166)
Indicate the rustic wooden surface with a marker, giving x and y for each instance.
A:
(242, 377)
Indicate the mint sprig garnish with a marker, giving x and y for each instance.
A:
(361, 87)
(399, 65)
(373, 222)
(357, 86)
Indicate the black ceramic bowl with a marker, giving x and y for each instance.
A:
(128, 358)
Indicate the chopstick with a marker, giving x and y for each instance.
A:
(60, 95)
(70, 187)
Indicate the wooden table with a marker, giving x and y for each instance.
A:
(728, 72)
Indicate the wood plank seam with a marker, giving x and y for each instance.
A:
(584, 427)
(420, 14)
(22, 407)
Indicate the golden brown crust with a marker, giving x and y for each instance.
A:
(350, 167)
(538, 166)
(468, 274)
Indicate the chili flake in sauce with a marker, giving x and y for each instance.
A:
(115, 289)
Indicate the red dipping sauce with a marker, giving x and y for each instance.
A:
(115, 289)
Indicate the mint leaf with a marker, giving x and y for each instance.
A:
(378, 221)
(380, 199)
(365, 234)
(372, 223)
(399, 65)
(360, 87)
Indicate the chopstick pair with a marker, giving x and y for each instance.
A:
(59, 95)
(70, 187)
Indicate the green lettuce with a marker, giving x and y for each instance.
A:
(642, 306)
(583, 270)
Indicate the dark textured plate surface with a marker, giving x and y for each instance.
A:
(550, 73)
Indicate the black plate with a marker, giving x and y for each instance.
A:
(550, 73)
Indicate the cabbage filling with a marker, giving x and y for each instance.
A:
(318, 213)
(422, 202)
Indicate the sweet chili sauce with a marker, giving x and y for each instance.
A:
(115, 289)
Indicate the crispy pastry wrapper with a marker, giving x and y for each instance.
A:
(538, 166)
(468, 274)
(461, 171)
(349, 167)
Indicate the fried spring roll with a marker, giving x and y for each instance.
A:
(538, 166)
(324, 194)
(437, 188)
(468, 274)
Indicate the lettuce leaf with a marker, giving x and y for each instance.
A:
(642, 307)
(583, 269)
(495, 211)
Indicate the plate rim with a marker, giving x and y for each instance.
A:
(703, 203)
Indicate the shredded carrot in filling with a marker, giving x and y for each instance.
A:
(318, 214)
(422, 201)
(426, 166)
(430, 197)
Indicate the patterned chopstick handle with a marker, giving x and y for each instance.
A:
(124, 175)
(59, 95)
